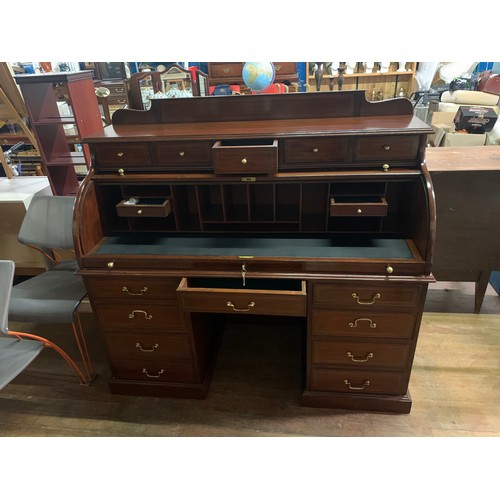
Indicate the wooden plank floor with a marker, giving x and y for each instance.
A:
(255, 391)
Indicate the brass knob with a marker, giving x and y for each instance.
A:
(389, 269)
(315, 150)
(359, 211)
(120, 154)
(121, 171)
(182, 153)
(111, 264)
(387, 147)
(385, 167)
(139, 211)
(244, 161)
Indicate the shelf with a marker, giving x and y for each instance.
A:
(56, 120)
(358, 75)
(73, 158)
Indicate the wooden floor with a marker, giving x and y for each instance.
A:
(455, 385)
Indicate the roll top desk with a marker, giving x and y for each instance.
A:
(317, 206)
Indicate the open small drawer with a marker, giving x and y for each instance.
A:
(245, 156)
(358, 206)
(258, 296)
(144, 207)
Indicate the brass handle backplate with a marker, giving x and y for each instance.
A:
(359, 360)
(160, 373)
(151, 349)
(249, 306)
(146, 315)
(364, 385)
(366, 302)
(355, 324)
(142, 291)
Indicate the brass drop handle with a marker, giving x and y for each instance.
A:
(244, 161)
(120, 154)
(359, 360)
(146, 315)
(182, 153)
(121, 171)
(141, 348)
(364, 385)
(355, 324)
(389, 269)
(249, 306)
(366, 302)
(141, 292)
(385, 167)
(387, 147)
(160, 373)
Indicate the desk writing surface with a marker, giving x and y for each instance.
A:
(463, 158)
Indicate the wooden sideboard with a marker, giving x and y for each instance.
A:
(312, 206)
(466, 182)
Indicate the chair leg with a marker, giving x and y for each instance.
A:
(82, 346)
(83, 380)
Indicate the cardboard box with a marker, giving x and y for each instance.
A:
(475, 119)
(460, 139)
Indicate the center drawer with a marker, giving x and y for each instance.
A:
(316, 150)
(245, 156)
(228, 295)
(177, 153)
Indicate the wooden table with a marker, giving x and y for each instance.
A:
(466, 184)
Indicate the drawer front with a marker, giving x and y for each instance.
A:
(358, 381)
(118, 155)
(361, 324)
(180, 153)
(360, 355)
(157, 370)
(248, 160)
(116, 90)
(152, 207)
(221, 70)
(131, 288)
(141, 315)
(225, 300)
(368, 206)
(285, 68)
(387, 148)
(366, 296)
(117, 102)
(140, 346)
(316, 150)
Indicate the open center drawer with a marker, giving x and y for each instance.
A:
(258, 296)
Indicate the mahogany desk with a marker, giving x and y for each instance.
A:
(467, 188)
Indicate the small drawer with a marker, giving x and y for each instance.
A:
(143, 207)
(316, 150)
(131, 288)
(360, 355)
(361, 324)
(118, 155)
(221, 70)
(358, 206)
(366, 296)
(245, 156)
(358, 381)
(141, 315)
(137, 345)
(258, 296)
(386, 148)
(179, 153)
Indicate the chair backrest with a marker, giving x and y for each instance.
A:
(48, 223)
(7, 268)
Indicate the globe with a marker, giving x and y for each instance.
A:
(258, 75)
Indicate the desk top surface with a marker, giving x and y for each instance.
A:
(465, 158)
